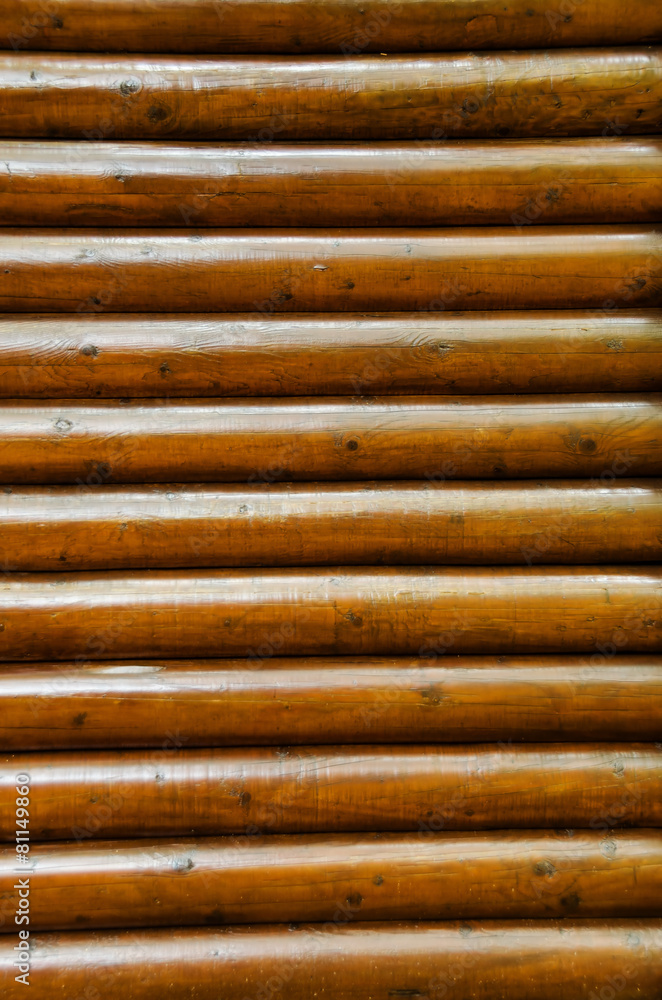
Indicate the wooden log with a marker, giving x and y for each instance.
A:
(387, 876)
(315, 611)
(411, 523)
(298, 355)
(89, 443)
(562, 92)
(467, 182)
(88, 271)
(271, 700)
(486, 960)
(174, 792)
(333, 26)
(424, 611)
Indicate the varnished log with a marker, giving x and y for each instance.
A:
(257, 879)
(408, 523)
(471, 182)
(89, 271)
(175, 792)
(575, 92)
(89, 443)
(332, 26)
(337, 960)
(244, 355)
(425, 611)
(271, 700)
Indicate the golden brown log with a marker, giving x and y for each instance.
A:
(398, 523)
(89, 270)
(174, 792)
(89, 443)
(331, 26)
(425, 611)
(270, 700)
(486, 960)
(243, 355)
(562, 92)
(470, 182)
(243, 880)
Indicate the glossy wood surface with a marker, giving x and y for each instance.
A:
(467, 182)
(99, 354)
(256, 879)
(474, 959)
(332, 26)
(343, 611)
(173, 792)
(90, 443)
(91, 271)
(270, 700)
(408, 523)
(560, 92)
(331, 499)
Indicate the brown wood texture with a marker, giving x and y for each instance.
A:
(242, 880)
(581, 92)
(398, 523)
(333, 26)
(92, 442)
(420, 611)
(344, 700)
(89, 271)
(470, 182)
(101, 354)
(485, 960)
(173, 792)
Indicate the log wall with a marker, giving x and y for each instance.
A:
(331, 499)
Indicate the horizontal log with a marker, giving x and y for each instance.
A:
(562, 92)
(89, 271)
(470, 182)
(486, 960)
(271, 700)
(106, 355)
(333, 26)
(434, 523)
(89, 443)
(174, 792)
(244, 880)
(424, 611)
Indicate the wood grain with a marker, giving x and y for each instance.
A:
(257, 879)
(333, 26)
(271, 700)
(89, 271)
(560, 92)
(96, 354)
(467, 182)
(93, 442)
(175, 792)
(397, 523)
(485, 960)
(344, 611)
